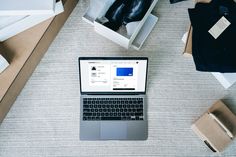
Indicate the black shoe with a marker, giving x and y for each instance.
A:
(137, 10)
(115, 14)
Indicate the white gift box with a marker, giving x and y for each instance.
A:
(23, 23)
(26, 7)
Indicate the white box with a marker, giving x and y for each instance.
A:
(226, 79)
(26, 7)
(9, 20)
(27, 22)
(139, 34)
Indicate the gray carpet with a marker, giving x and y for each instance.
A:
(44, 120)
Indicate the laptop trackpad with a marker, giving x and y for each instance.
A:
(113, 130)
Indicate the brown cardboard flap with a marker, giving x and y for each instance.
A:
(225, 115)
(188, 45)
(210, 129)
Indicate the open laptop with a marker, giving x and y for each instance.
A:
(113, 104)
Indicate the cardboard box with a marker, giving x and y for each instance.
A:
(23, 52)
(143, 28)
(216, 127)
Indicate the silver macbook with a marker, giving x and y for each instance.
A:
(113, 104)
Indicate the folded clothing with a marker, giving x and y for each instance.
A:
(210, 54)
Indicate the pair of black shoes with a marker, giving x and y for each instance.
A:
(122, 12)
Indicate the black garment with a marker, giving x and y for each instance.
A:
(210, 54)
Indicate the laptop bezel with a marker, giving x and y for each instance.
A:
(112, 58)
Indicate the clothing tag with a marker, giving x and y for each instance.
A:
(219, 27)
(3, 64)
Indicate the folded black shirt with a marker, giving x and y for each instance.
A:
(210, 54)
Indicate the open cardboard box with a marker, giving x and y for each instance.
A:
(216, 127)
(98, 8)
(226, 79)
(24, 51)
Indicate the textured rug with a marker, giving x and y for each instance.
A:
(44, 120)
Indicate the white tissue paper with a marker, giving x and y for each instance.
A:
(3, 64)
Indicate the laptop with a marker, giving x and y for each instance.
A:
(113, 102)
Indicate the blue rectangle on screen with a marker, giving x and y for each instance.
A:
(124, 72)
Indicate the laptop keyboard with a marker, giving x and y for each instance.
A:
(95, 109)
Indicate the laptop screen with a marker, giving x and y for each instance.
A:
(113, 75)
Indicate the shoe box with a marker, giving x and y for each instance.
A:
(138, 31)
(225, 79)
(24, 51)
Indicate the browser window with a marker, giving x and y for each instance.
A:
(113, 75)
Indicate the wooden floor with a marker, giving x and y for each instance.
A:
(44, 120)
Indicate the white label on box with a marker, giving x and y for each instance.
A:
(219, 27)
(3, 64)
